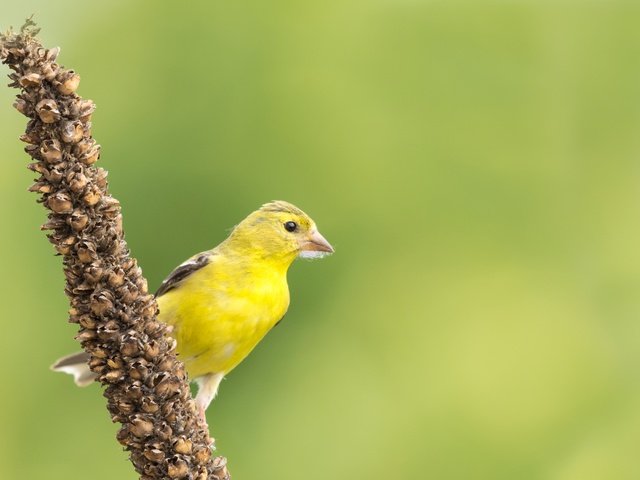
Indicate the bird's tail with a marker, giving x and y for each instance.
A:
(76, 365)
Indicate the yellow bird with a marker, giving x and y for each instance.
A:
(222, 302)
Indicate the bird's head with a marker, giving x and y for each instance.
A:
(278, 231)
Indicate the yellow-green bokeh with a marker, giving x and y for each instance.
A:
(476, 164)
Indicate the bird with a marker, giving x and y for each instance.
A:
(220, 303)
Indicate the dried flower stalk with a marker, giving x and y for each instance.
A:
(146, 386)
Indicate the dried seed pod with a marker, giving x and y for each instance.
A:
(123, 435)
(72, 277)
(51, 151)
(87, 321)
(128, 264)
(173, 416)
(126, 406)
(98, 369)
(70, 240)
(91, 156)
(202, 455)
(130, 348)
(118, 221)
(96, 363)
(83, 109)
(107, 332)
(177, 468)
(49, 71)
(219, 463)
(167, 407)
(166, 364)
(116, 277)
(85, 255)
(115, 363)
(59, 237)
(102, 302)
(154, 455)
(150, 406)
(114, 376)
(164, 432)
(30, 137)
(85, 335)
(168, 387)
(134, 390)
(141, 427)
(141, 284)
(72, 131)
(47, 110)
(53, 223)
(54, 174)
(83, 146)
(63, 249)
(183, 445)
(52, 54)
(152, 328)
(82, 288)
(78, 220)
(92, 196)
(138, 371)
(86, 251)
(41, 187)
(151, 471)
(94, 273)
(69, 82)
(101, 177)
(32, 150)
(22, 106)
(110, 207)
(77, 181)
(36, 167)
(60, 203)
(128, 293)
(151, 350)
(100, 353)
(30, 80)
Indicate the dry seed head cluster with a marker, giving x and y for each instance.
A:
(130, 350)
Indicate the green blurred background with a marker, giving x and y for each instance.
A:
(477, 167)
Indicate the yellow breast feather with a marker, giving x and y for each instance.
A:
(222, 310)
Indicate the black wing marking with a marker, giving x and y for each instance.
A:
(183, 271)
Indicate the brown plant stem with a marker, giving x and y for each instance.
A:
(146, 386)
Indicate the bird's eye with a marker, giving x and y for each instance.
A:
(290, 226)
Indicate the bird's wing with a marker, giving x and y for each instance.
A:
(183, 271)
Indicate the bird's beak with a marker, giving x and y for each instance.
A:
(315, 242)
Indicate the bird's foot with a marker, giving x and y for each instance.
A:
(203, 419)
(203, 416)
